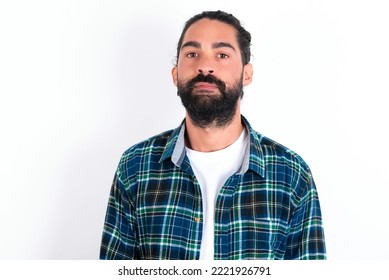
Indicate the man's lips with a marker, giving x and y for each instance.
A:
(205, 86)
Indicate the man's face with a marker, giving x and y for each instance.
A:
(209, 74)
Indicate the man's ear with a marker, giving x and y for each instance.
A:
(174, 75)
(247, 74)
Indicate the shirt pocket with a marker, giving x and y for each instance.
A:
(272, 234)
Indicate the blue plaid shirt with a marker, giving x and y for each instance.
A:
(269, 209)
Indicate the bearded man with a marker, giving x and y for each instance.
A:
(213, 188)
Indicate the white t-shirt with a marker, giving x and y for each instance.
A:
(212, 170)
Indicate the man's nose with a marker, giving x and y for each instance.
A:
(205, 71)
(205, 67)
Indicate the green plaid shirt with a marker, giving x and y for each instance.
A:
(269, 209)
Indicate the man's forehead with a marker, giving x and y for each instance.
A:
(211, 31)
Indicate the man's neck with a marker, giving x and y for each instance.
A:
(212, 138)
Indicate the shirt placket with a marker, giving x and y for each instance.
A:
(223, 207)
(197, 217)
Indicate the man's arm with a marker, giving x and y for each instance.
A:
(119, 239)
(306, 235)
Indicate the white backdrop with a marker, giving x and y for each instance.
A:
(81, 81)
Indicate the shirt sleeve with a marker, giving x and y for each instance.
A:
(306, 236)
(119, 240)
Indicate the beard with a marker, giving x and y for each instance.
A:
(210, 110)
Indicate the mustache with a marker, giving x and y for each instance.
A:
(207, 79)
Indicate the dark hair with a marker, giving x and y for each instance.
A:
(243, 36)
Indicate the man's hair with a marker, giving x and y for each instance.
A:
(242, 35)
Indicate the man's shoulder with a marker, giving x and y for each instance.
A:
(142, 157)
(274, 151)
(153, 144)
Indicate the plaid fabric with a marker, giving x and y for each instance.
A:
(268, 210)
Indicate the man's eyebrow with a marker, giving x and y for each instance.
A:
(214, 45)
(222, 45)
(191, 44)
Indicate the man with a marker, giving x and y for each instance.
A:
(213, 188)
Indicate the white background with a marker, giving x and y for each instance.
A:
(81, 81)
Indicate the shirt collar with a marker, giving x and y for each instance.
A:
(253, 160)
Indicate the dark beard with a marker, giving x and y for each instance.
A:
(210, 110)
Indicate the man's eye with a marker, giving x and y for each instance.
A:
(222, 55)
(191, 55)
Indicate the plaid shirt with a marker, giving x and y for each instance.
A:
(267, 210)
